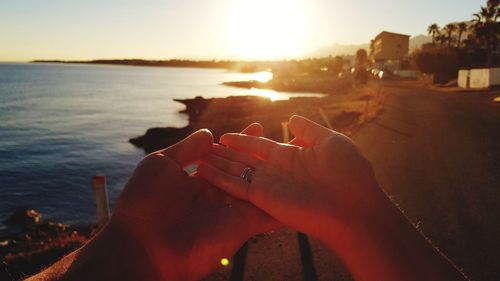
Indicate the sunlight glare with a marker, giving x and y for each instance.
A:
(270, 94)
(263, 76)
(267, 29)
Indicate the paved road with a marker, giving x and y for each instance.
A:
(437, 154)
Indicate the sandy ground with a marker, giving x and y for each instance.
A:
(437, 154)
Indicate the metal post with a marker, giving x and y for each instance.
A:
(100, 193)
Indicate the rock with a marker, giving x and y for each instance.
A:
(158, 138)
(24, 218)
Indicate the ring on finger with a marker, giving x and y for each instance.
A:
(246, 174)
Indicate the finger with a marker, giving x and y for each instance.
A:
(254, 129)
(231, 167)
(258, 147)
(190, 149)
(298, 142)
(233, 155)
(233, 185)
(307, 131)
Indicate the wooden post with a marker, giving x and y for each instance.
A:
(100, 193)
(284, 128)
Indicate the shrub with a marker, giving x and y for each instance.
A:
(442, 63)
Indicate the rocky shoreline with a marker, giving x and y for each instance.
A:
(345, 111)
(325, 84)
(30, 243)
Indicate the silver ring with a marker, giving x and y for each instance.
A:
(246, 174)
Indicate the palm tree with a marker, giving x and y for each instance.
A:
(486, 27)
(441, 39)
(462, 27)
(433, 30)
(449, 28)
(493, 3)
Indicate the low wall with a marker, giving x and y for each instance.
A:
(463, 78)
(495, 76)
(484, 77)
(479, 78)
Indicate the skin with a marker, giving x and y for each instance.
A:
(321, 184)
(167, 225)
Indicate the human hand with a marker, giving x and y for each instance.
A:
(167, 225)
(320, 184)
(316, 184)
(182, 219)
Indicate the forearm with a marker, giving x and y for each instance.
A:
(109, 256)
(384, 245)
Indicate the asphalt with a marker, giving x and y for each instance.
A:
(436, 153)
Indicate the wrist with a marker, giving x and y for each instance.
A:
(113, 254)
(358, 220)
(380, 243)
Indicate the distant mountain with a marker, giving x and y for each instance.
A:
(349, 50)
(338, 50)
(417, 41)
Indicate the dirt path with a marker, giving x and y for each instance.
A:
(438, 156)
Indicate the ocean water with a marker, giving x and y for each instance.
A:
(61, 124)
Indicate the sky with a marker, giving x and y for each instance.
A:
(208, 29)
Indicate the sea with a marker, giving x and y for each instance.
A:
(61, 124)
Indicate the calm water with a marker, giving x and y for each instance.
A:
(61, 124)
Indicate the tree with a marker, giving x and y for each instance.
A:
(493, 3)
(441, 39)
(449, 28)
(433, 30)
(361, 61)
(443, 63)
(486, 28)
(462, 27)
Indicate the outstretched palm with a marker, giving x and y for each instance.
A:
(300, 184)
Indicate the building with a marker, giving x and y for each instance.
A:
(390, 46)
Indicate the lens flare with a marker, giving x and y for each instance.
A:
(224, 262)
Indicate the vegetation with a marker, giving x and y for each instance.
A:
(484, 27)
(330, 65)
(452, 51)
(361, 74)
(449, 29)
(461, 28)
(433, 31)
(443, 63)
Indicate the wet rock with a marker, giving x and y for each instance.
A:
(24, 217)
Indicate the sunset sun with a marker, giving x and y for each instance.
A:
(267, 29)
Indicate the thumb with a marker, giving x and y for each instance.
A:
(190, 149)
(307, 132)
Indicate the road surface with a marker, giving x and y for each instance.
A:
(437, 154)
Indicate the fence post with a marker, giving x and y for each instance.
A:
(100, 193)
(284, 129)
